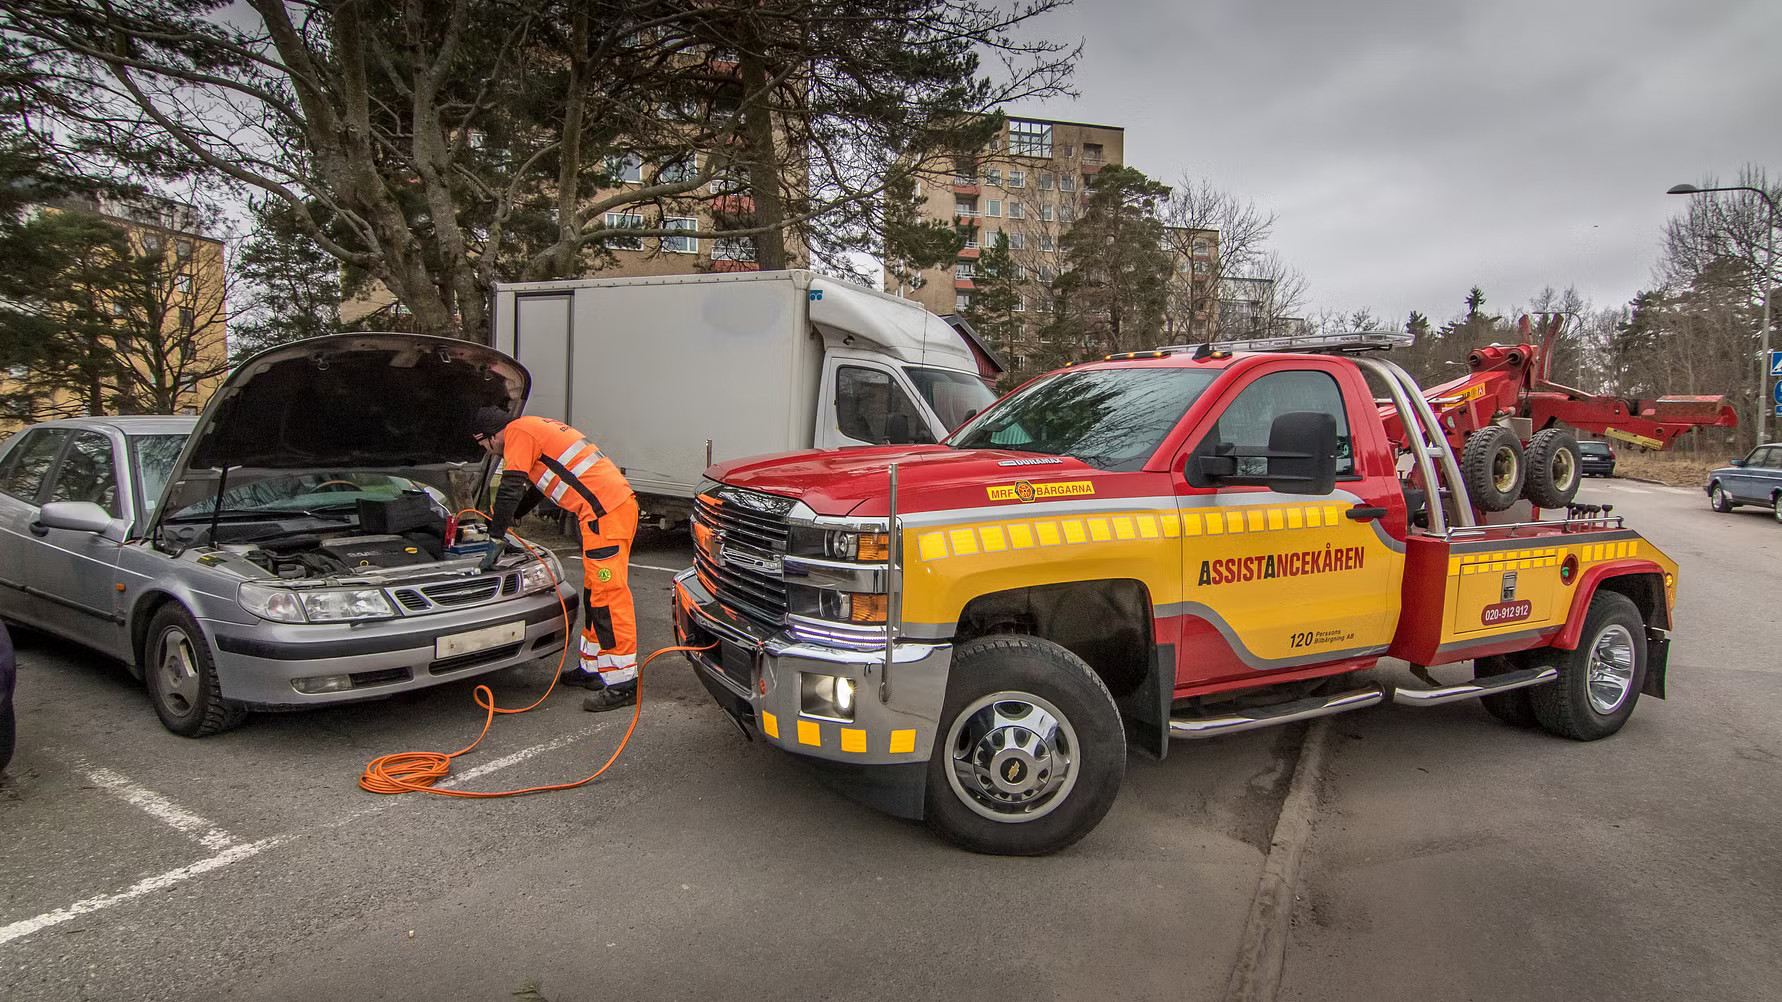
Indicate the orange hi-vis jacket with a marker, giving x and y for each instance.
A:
(566, 467)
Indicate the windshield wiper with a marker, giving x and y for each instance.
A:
(248, 515)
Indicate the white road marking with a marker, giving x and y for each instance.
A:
(665, 570)
(161, 809)
(148, 885)
(496, 765)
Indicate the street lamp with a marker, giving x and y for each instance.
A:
(1769, 242)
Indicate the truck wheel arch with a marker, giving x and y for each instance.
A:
(1107, 622)
(1642, 581)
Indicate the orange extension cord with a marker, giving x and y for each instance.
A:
(416, 772)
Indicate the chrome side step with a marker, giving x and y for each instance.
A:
(1274, 716)
(1517, 679)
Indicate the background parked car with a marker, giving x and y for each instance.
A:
(1756, 479)
(1596, 459)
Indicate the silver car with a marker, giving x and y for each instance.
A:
(285, 548)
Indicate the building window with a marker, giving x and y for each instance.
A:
(1020, 304)
(679, 170)
(151, 243)
(1017, 241)
(186, 320)
(625, 167)
(1031, 139)
(1017, 179)
(680, 245)
(966, 174)
(964, 269)
(1046, 242)
(968, 235)
(1046, 273)
(1045, 182)
(1067, 183)
(1068, 151)
(964, 209)
(624, 221)
(1202, 269)
(1017, 210)
(733, 249)
(1046, 213)
(993, 175)
(1092, 153)
(993, 207)
(1066, 213)
(961, 301)
(182, 250)
(182, 283)
(1202, 248)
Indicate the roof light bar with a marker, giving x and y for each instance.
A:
(1316, 343)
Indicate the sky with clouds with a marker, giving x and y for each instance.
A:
(1414, 148)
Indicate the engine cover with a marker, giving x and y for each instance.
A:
(358, 552)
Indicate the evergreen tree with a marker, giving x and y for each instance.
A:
(997, 311)
(291, 285)
(1116, 282)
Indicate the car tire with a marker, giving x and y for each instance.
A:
(1718, 500)
(1493, 467)
(1553, 469)
(1514, 707)
(1030, 752)
(1599, 682)
(1776, 506)
(9, 733)
(182, 677)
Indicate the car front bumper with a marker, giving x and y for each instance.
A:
(756, 678)
(257, 664)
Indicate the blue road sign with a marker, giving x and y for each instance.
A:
(1779, 410)
(1777, 393)
(1776, 363)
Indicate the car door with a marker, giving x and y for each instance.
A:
(1291, 579)
(76, 571)
(1766, 476)
(1742, 482)
(24, 475)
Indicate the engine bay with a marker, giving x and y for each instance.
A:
(308, 555)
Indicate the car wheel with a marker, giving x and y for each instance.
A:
(1513, 707)
(9, 732)
(1031, 750)
(1718, 500)
(1776, 506)
(182, 677)
(1599, 683)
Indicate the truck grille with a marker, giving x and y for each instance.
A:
(740, 538)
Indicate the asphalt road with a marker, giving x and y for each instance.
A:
(135, 864)
(1457, 858)
(1453, 858)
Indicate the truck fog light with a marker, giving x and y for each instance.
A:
(826, 696)
(323, 683)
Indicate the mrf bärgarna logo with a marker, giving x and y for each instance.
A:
(1293, 564)
(1022, 490)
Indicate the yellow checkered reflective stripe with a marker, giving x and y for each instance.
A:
(1027, 534)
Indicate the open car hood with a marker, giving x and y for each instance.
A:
(346, 402)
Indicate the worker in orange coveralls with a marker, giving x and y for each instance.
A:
(550, 459)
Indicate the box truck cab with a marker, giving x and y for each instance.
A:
(671, 374)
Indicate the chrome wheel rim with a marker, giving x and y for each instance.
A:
(1611, 671)
(1719, 497)
(1565, 471)
(177, 668)
(1012, 757)
(1776, 506)
(1503, 470)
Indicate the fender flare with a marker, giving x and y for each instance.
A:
(1591, 582)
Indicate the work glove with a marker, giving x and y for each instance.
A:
(496, 548)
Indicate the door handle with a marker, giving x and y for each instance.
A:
(1363, 513)
(39, 530)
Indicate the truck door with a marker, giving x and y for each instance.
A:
(543, 345)
(867, 404)
(1290, 579)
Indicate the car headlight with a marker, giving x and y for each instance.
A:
(537, 576)
(322, 605)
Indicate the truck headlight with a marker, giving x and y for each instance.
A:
(868, 547)
(322, 605)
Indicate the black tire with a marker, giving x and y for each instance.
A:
(1776, 506)
(9, 732)
(1553, 469)
(1030, 671)
(182, 678)
(1718, 498)
(1493, 468)
(1568, 706)
(1514, 707)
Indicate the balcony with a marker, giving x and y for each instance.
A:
(970, 253)
(735, 205)
(964, 187)
(964, 285)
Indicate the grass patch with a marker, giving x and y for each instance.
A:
(1666, 468)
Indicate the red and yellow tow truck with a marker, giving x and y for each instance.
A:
(1172, 544)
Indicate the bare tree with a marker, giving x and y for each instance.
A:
(1197, 212)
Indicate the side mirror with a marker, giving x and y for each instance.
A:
(75, 516)
(1300, 458)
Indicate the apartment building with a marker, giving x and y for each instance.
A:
(169, 322)
(1192, 311)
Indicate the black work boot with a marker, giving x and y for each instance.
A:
(581, 678)
(612, 697)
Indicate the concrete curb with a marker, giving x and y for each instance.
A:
(1262, 950)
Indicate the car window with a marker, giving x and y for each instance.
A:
(1771, 459)
(88, 473)
(869, 407)
(1248, 421)
(1756, 457)
(155, 455)
(29, 462)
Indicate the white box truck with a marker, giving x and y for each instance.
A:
(670, 374)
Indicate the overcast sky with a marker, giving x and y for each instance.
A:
(1414, 148)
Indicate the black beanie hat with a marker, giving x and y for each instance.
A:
(488, 421)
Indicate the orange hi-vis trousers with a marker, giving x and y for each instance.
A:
(609, 619)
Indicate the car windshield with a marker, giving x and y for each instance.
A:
(308, 492)
(155, 455)
(1593, 448)
(1113, 419)
(956, 397)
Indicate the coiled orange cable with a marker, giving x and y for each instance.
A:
(416, 772)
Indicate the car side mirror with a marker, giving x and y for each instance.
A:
(1736, 462)
(1300, 458)
(75, 516)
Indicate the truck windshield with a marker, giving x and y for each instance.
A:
(956, 397)
(1112, 419)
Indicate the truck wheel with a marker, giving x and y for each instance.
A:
(1598, 683)
(1553, 466)
(182, 678)
(1513, 707)
(1718, 500)
(1492, 464)
(1031, 750)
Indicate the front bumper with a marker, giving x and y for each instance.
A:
(754, 677)
(256, 664)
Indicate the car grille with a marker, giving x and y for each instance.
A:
(453, 594)
(740, 538)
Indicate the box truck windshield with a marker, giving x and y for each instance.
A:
(955, 397)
